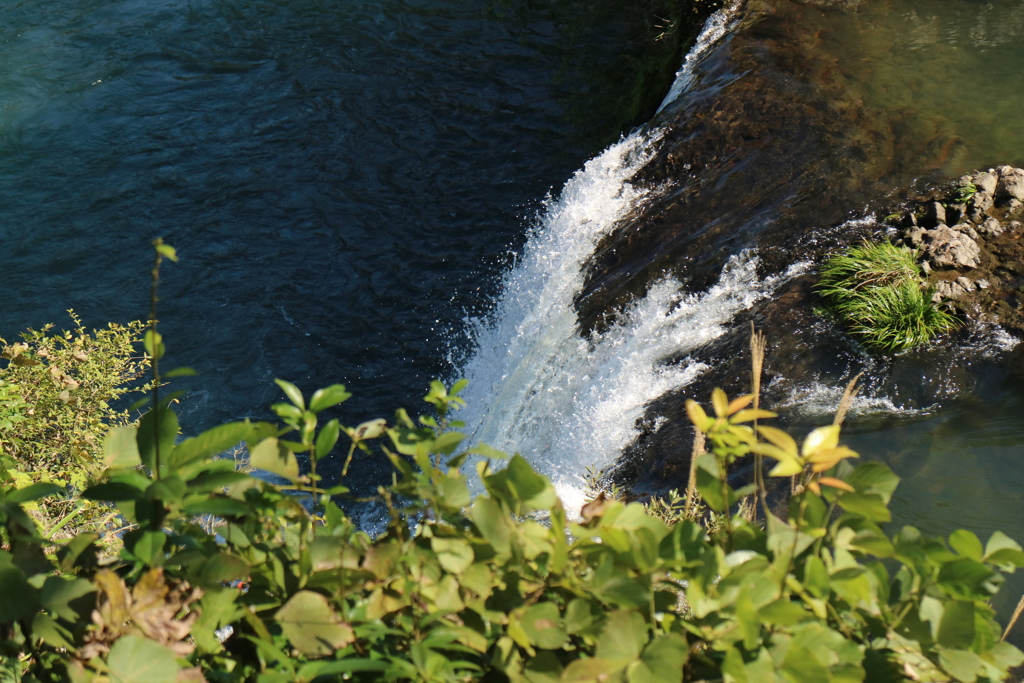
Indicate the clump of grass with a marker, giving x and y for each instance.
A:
(878, 292)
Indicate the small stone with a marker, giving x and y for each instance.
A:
(915, 237)
(1011, 184)
(966, 284)
(985, 182)
(926, 267)
(991, 227)
(946, 247)
(1015, 225)
(967, 229)
(936, 214)
(983, 284)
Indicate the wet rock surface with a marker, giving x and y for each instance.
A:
(978, 264)
(773, 150)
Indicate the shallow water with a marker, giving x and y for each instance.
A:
(950, 71)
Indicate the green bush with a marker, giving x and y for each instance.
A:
(59, 396)
(502, 586)
(878, 293)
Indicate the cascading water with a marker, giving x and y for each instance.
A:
(537, 386)
(566, 402)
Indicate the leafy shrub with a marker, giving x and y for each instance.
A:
(878, 292)
(58, 398)
(502, 586)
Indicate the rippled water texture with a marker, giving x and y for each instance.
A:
(949, 71)
(343, 179)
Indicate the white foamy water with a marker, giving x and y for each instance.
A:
(717, 25)
(538, 388)
(821, 401)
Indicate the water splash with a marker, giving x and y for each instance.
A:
(567, 403)
(718, 25)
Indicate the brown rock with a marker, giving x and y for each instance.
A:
(949, 248)
(1011, 184)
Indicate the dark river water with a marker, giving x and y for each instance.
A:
(344, 180)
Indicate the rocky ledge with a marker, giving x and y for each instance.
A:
(969, 234)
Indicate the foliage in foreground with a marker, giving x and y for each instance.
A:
(877, 291)
(58, 398)
(500, 586)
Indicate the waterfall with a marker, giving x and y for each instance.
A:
(566, 402)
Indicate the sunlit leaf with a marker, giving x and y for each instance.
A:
(697, 415)
(720, 402)
(292, 392)
(328, 397)
(779, 438)
(751, 415)
(821, 438)
(836, 483)
(738, 404)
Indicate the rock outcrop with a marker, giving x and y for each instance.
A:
(978, 263)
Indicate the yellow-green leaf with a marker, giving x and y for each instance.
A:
(779, 438)
(820, 439)
(720, 402)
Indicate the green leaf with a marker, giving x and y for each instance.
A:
(157, 428)
(222, 568)
(662, 661)
(217, 506)
(956, 628)
(166, 250)
(872, 506)
(33, 492)
(520, 487)
(623, 637)
(999, 542)
(327, 438)
(581, 614)
(208, 444)
(542, 624)
(455, 555)
(270, 456)
(874, 477)
(963, 665)
(113, 492)
(967, 544)
(134, 659)
(328, 397)
(371, 429)
(147, 546)
(709, 482)
(58, 591)
(152, 341)
(120, 448)
(292, 392)
(593, 670)
(311, 625)
(801, 666)
(493, 524)
(20, 598)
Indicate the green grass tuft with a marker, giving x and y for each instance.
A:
(878, 292)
